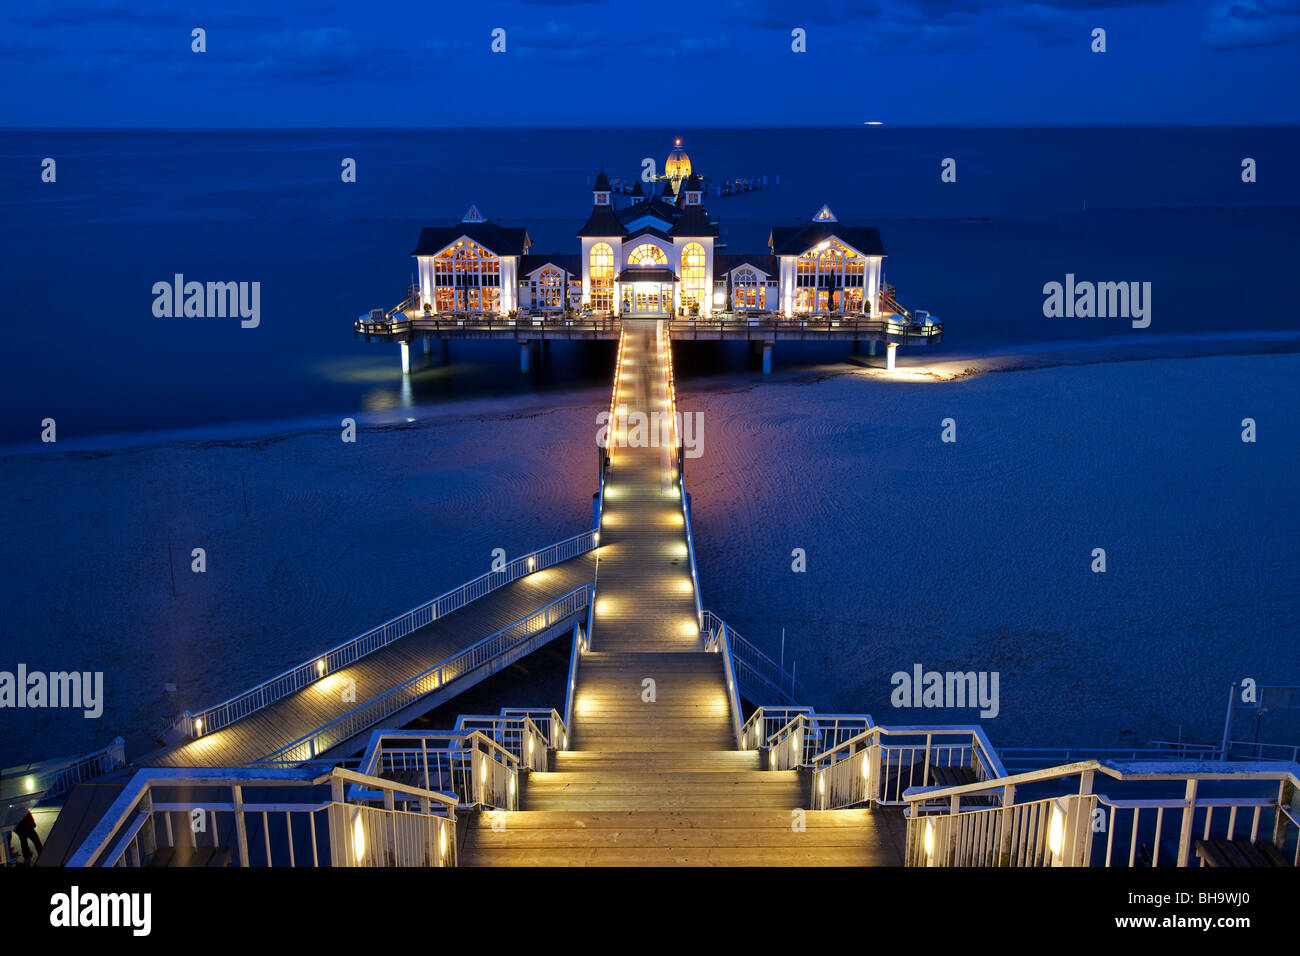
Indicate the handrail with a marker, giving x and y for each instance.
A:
(477, 654)
(117, 829)
(349, 652)
(722, 645)
(479, 771)
(53, 777)
(754, 663)
(690, 548)
(1119, 770)
(983, 824)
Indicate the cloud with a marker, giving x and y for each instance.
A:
(1252, 23)
(783, 15)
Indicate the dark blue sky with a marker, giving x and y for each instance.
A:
(578, 63)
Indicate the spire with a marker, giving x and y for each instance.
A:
(600, 191)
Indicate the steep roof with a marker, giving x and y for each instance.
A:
(796, 240)
(569, 262)
(603, 222)
(694, 221)
(502, 240)
(602, 183)
(724, 262)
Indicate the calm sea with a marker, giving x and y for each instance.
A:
(129, 209)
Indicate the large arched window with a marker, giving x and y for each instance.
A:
(647, 254)
(829, 276)
(601, 275)
(747, 290)
(550, 291)
(692, 274)
(467, 277)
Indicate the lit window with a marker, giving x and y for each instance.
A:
(601, 276)
(647, 254)
(692, 274)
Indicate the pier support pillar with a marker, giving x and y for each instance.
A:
(446, 350)
(428, 345)
(767, 358)
(525, 356)
(891, 351)
(871, 349)
(406, 358)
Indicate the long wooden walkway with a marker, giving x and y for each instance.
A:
(299, 713)
(655, 777)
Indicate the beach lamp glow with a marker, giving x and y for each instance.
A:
(320, 667)
(358, 838)
(866, 763)
(1056, 827)
(442, 839)
(928, 840)
(198, 725)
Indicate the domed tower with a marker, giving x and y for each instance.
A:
(677, 167)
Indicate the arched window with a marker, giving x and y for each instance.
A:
(601, 276)
(467, 277)
(692, 274)
(829, 276)
(549, 289)
(647, 254)
(747, 290)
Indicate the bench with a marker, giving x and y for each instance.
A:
(1240, 853)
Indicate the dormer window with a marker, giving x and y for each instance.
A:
(602, 199)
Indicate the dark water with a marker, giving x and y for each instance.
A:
(133, 208)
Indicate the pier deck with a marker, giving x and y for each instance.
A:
(267, 730)
(654, 776)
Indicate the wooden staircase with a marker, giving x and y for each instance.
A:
(654, 777)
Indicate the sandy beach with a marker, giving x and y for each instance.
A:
(956, 556)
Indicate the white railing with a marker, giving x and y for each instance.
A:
(761, 678)
(795, 735)
(199, 817)
(580, 647)
(349, 652)
(40, 781)
(718, 643)
(1037, 758)
(852, 764)
(507, 639)
(467, 764)
(1153, 815)
(517, 734)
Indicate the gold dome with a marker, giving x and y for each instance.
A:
(678, 165)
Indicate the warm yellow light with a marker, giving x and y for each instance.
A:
(1056, 830)
(482, 771)
(928, 842)
(690, 627)
(866, 766)
(358, 838)
(442, 839)
(31, 784)
(320, 667)
(198, 725)
(510, 786)
(531, 562)
(821, 784)
(530, 748)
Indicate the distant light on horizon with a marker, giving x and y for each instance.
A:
(874, 123)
